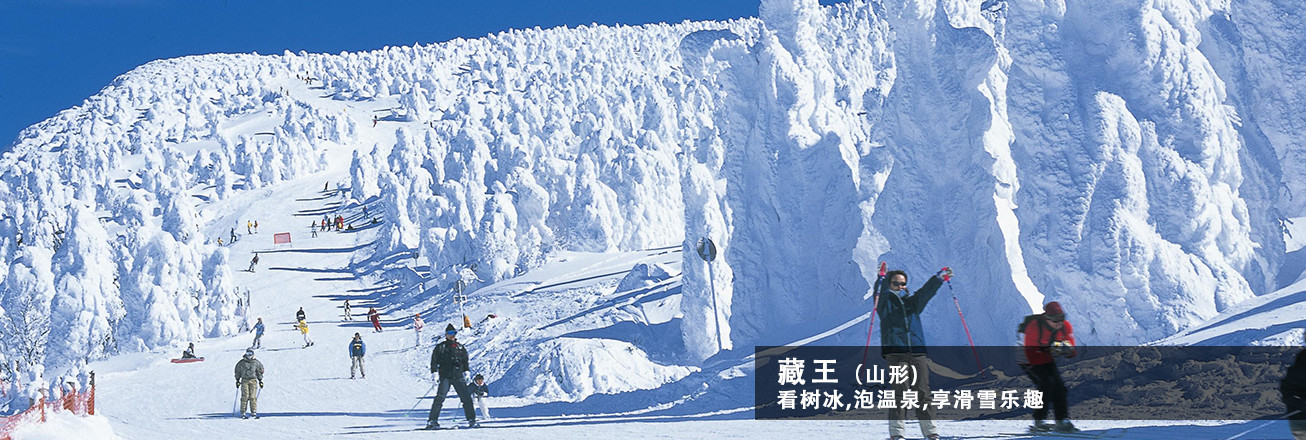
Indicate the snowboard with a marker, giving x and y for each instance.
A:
(188, 361)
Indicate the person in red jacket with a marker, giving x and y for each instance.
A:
(375, 317)
(1047, 336)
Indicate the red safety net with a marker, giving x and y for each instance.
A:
(79, 403)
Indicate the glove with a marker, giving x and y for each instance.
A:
(945, 273)
(260, 384)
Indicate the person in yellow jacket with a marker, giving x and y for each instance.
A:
(302, 326)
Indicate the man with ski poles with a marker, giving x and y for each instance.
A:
(902, 338)
(249, 379)
(449, 363)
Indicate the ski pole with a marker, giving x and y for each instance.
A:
(947, 278)
(235, 404)
(875, 305)
(1267, 423)
(419, 400)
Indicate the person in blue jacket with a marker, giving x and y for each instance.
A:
(258, 335)
(356, 351)
(902, 339)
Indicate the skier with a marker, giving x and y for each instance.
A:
(255, 226)
(302, 326)
(1293, 388)
(903, 340)
(449, 363)
(233, 235)
(1047, 336)
(356, 350)
(249, 227)
(375, 317)
(417, 327)
(258, 334)
(219, 241)
(348, 316)
(324, 224)
(324, 186)
(479, 391)
(300, 316)
(374, 120)
(313, 227)
(253, 262)
(249, 373)
(189, 353)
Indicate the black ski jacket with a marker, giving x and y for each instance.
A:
(1293, 385)
(449, 358)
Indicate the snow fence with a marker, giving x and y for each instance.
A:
(81, 403)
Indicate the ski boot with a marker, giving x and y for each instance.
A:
(256, 415)
(473, 424)
(1065, 427)
(1041, 426)
(432, 425)
(244, 416)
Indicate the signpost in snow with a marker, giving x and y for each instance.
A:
(707, 250)
(458, 288)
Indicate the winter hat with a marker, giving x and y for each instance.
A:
(1053, 308)
(478, 377)
(449, 330)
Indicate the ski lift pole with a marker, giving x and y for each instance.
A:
(947, 278)
(707, 250)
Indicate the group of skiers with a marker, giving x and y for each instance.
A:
(902, 337)
(328, 223)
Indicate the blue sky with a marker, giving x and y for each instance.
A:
(55, 53)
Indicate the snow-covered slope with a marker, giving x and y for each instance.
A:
(1133, 160)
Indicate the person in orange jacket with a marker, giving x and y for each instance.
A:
(1047, 336)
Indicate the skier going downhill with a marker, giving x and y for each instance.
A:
(417, 327)
(249, 375)
(449, 363)
(375, 317)
(302, 326)
(356, 351)
(1047, 336)
(258, 334)
(902, 337)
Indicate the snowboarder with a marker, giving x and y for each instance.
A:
(356, 350)
(300, 316)
(1293, 388)
(189, 353)
(375, 317)
(258, 334)
(479, 391)
(1047, 336)
(302, 326)
(903, 340)
(249, 374)
(374, 120)
(449, 363)
(253, 262)
(233, 235)
(325, 185)
(219, 241)
(417, 327)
